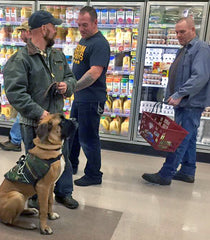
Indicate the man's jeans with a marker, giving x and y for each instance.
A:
(189, 119)
(15, 133)
(88, 116)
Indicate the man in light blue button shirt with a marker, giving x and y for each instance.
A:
(188, 91)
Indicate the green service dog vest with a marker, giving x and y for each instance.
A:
(30, 169)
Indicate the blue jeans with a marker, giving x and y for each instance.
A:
(88, 116)
(64, 185)
(189, 119)
(15, 133)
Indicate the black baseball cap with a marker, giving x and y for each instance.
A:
(41, 17)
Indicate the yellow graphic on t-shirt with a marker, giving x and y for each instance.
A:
(79, 53)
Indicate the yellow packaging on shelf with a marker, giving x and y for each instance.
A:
(115, 126)
(125, 127)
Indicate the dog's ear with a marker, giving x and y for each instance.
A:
(43, 130)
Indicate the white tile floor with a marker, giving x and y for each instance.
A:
(150, 212)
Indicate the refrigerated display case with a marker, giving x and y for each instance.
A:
(12, 14)
(159, 51)
(122, 24)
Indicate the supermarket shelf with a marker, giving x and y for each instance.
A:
(163, 46)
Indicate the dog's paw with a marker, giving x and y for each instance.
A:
(53, 216)
(46, 231)
(29, 211)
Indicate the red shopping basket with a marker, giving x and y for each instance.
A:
(161, 132)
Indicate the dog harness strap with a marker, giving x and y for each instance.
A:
(30, 169)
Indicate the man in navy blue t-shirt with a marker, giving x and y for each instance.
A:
(91, 59)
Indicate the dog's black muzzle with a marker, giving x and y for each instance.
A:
(68, 127)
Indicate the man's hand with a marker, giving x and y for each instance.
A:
(62, 87)
(44, 114)
(174, 102)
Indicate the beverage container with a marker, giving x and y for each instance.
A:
(120, 16)
(117, 106)
(119, 38)
(111, 66)
(133, 63)
(130, 85)
(69, 14)
(112, 16)
(129, 16)
(1, 14)
(98, 11)
(126, 63)
(14, 14)
(114, 127)
(104, 16)
(127, 106)
(127, 39)
(104, 125)
(50, 9)
(124, 86)
(8, 53)
(8, 14)
(76, 14)
(63, 13)
(134, 38)
(125, 127)
(56, 12)
(70, 37)
(136, 16)
(109, 84)
(116, 84)
(108, 104)
(111, 37)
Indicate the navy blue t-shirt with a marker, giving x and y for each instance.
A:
(94, 51)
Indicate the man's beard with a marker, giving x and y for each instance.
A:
(50, 41)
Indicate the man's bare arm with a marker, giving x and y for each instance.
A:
(89, 77)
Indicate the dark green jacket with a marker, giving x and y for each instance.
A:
(27, 77)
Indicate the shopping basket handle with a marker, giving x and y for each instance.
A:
(158, 104)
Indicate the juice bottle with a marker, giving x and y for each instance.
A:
(69, 14)
(98, 11)
(50, 9)
(1, 14)
(23, 14)
(108, 104)
(127, 106)
(2, 52)
(119, 38)
(111, 66)
(104, 16)
(28, 12)
(114, 127)
(13, 14)
(125, 127)
(129, 16)
(117, 105)
(56, 12)
(70, 37)
(8, 14)
(136, 16)
(109, 84)
(14, 50)
(127, 39)
(133, 63)
(124, 85)
(126, 63)
(112, 16)
(130, 85)
(104, 125)
(120, 16)
(76, 14)
(116, 84)
(14, 35)
(134, 38)
(111, 37)
(63, 13)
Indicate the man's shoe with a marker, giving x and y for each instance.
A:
(156, 178)
(33, 203)
(183, 177)
(9, 146)
(67, 201)
(87, 181)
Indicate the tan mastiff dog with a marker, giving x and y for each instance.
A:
(36, 173)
